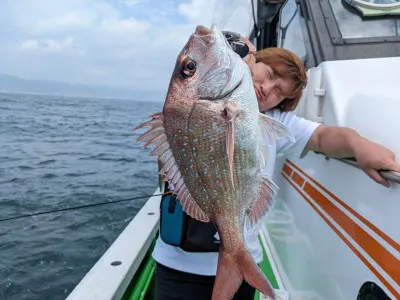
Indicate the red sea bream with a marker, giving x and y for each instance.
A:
(208, 139)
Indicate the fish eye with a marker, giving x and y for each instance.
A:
(188, 67)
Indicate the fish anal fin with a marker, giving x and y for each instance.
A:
(264, 202)
(274, 128)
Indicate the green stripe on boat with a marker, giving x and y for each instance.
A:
(266, 267)
(142, 286)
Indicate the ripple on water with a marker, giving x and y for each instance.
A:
(63, 152)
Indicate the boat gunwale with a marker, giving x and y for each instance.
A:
(105, 281)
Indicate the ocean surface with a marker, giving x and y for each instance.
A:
(58, 152)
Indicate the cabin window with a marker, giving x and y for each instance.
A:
(290, 35)
(352, 25)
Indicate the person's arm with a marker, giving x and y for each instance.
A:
(342, 142)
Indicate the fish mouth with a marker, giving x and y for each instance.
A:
(214, 39)
(202, 31)
(211, 36)
(205, 35)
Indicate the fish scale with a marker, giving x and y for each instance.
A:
(218, 186)
(212, 144)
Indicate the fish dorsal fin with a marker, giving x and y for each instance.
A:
(274, 129)
(264, 201)
(157, 138)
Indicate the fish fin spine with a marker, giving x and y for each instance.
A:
(274, 128)
(156, 137)
(263, 204)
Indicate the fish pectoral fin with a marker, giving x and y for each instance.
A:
(231, 111)
(264, 202)
(274, 128)
(156, 137)
(264, 152)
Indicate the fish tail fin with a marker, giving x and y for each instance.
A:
(255, 277)
(232, 269)
(229, 277)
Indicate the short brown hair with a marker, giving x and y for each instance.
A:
(285, 64)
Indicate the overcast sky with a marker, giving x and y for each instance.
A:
(125, 43)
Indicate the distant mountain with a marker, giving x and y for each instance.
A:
(9, 83)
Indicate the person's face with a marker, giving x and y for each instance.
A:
(270, 89)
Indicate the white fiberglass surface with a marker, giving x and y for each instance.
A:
(317, 254)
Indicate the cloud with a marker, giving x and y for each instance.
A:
(71, 20)
(66, 45)
(197, 11)
(125, 43)
(130, 3)
(233, 15)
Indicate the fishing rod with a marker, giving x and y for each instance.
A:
(76, 207)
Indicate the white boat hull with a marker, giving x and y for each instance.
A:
(327, 245)
(334, 228)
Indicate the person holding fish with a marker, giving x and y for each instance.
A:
(279, 77)
(224, 120)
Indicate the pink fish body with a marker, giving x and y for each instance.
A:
(209, 142)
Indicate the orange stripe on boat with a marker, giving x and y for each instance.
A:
(298, 179)
(288, 170)
(345, 240)
(379, 232)
(386, 260)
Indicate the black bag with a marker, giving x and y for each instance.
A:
(179, 229)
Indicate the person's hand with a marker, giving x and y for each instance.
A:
(252, 48)
(372, 158)
(249, 58)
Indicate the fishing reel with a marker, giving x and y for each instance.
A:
(236, 44)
